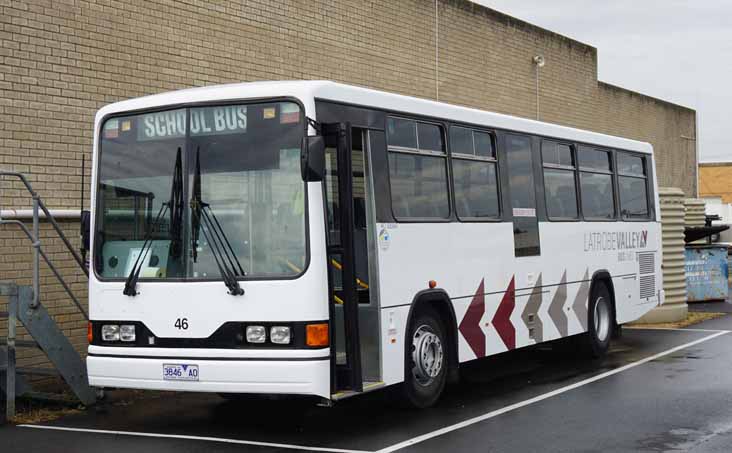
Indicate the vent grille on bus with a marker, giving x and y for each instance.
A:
(646, 263)
(647, 285)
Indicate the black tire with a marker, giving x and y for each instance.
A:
(420, 389)
(600, 321)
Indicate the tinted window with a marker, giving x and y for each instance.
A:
(597, 195)
(484, 146)
(632, 187)
(594, 159)
(429, 137)
(461, 140)
(557, 154)
(523, 201)
(561, 194)
(521, 177)
(476, 188)
(418, 186)
(633, 197)
(630, 165)
(401, 133)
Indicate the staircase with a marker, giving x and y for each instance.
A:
(24, 306)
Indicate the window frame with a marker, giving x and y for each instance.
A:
(575, 174)
(475, 158)
(650, 215)
(426, 153)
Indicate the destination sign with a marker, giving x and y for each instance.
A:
(230, 119)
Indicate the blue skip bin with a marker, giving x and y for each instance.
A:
(706, 273)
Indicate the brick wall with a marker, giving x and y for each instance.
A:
(61, 60)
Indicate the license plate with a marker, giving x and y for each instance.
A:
(180, 372)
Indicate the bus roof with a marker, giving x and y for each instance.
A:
(308, 91)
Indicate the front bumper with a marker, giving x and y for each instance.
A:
(219, 371)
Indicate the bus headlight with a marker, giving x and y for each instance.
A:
(256, 334)
(127, 332)
(279, 335)
(110, 332)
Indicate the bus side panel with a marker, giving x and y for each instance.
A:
(502, 302)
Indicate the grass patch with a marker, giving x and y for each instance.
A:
(694, 317)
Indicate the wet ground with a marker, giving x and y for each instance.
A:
(657, 390)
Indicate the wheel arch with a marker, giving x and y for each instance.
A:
(440, 301)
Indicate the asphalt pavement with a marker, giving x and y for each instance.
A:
(657, 390)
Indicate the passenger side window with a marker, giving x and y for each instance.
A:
(474, 173)
(417, 169)
(632, 186)
(596, 183)
(559, 180)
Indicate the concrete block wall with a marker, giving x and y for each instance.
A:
(61, 60)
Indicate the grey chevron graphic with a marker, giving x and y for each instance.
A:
(580, 301)
(532, 309)
(556, 311)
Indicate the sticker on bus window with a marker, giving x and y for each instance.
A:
(524, 212)
(289, 113)
(269, 113)
(111, 129)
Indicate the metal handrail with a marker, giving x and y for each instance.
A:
(36, 243)
(28, 233)
(50, 218)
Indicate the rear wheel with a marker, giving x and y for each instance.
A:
(601, 321)
(426, 361)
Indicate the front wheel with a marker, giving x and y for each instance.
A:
(425, 370)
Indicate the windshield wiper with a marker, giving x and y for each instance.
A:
(175, 205)
(203, 219)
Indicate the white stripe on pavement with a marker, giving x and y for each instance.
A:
(200, 438)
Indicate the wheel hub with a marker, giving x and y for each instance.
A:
(602, 319)
(427, 355)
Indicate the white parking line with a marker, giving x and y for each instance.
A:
(679, 329)
(536, 399)
(200, 438)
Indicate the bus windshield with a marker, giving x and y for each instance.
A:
(241, 160)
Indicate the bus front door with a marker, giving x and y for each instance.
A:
(343, 283)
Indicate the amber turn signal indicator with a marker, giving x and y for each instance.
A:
(317, 335)
(89, 333)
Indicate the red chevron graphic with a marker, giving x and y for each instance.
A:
(470, 325)
(502, 318)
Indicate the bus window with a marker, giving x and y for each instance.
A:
(417, 170)
(632, 187)
(596, 184)
(523, 196)
(559, 180)
(474, 173)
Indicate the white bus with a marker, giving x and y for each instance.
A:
(315, 238)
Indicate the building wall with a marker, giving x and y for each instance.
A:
(61, 60)
(715, 180)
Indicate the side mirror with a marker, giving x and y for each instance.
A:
(312, 158)
(85, 231)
